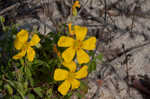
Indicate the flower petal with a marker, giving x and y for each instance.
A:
(75, 84)
(68, 54)
(18, 44)
(76, 4)
(21, 38)
(23, 34)
(35, 40)
(30, 54)
(20, 54)
(60, 74)
(82, 56)
(64, 87)
(82, 73)
(65, 41)
(80, 32)
(71, 66)
(89, 44)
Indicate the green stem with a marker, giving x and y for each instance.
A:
(21, 94)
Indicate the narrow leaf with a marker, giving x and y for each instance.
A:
(38, 90)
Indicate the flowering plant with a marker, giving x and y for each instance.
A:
(52, 66)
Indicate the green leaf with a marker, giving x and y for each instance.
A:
(22, 62)
(31, 81)
(100, 56)
(8, 88)
(1, 82)
(38, 62)
(29, 75)
(38, 45)
(55, 98)
(28, 72)
(79, 95)
(83, 87)
(5, 28)
(25, 85)
(38, 90)
(50, 92)
(16, 97)
(15, 85)
(20, 86)
(31, 96)
(69, 94)
(2, 19)
(91, 53)
(92, 66)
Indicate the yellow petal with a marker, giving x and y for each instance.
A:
(23, 34)
(18, 44)
(20, 54)
(21, 38)
(71, 66)
(65, 41)
(64, 87)
(89, 44)
(76, 4)
(80, 32)
(30, 54)
(82, 56)
(60, 74)
(35, 40)
(68, 54)
(75, 84)
(82, 73)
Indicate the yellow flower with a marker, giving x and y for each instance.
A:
(77, 46)
(69, 77)
(21, 43)
(75, 5)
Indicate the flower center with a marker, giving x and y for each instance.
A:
(77, 44)
(26, 45)
(71, 75)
